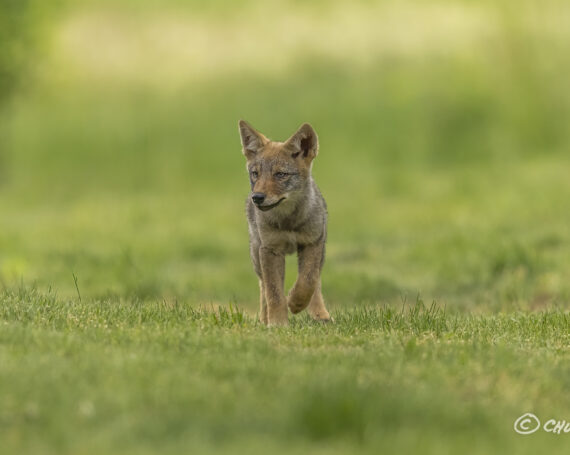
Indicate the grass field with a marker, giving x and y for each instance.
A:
(128, 377)
(128, 302)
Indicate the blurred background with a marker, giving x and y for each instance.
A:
(444, 132)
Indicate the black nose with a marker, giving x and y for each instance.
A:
(258, 198)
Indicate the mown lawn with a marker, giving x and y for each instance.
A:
(127, 298)
(132, 377)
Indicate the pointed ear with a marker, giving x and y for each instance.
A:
(304, 143)
(251, 139)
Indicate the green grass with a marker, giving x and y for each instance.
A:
(134, 377)
(127, 298)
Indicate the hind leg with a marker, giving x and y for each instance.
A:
(262, 304)
(317, 309)
(254, 252)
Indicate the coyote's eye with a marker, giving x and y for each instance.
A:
(254, 174)
(280, 175)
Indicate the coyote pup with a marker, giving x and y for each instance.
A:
(286, 213)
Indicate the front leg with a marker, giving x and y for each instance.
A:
(273, 275)
(310, 261)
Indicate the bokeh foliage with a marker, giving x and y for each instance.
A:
(443, 131)
(22, 27)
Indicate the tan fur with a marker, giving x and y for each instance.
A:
(292, 217)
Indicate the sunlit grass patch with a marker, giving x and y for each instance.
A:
(215, 378)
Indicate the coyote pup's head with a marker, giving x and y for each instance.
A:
(278, 171)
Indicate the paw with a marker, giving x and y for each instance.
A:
(321, 316)
(278, 317)
(263, 316)
(297, 305)
(278, 322)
